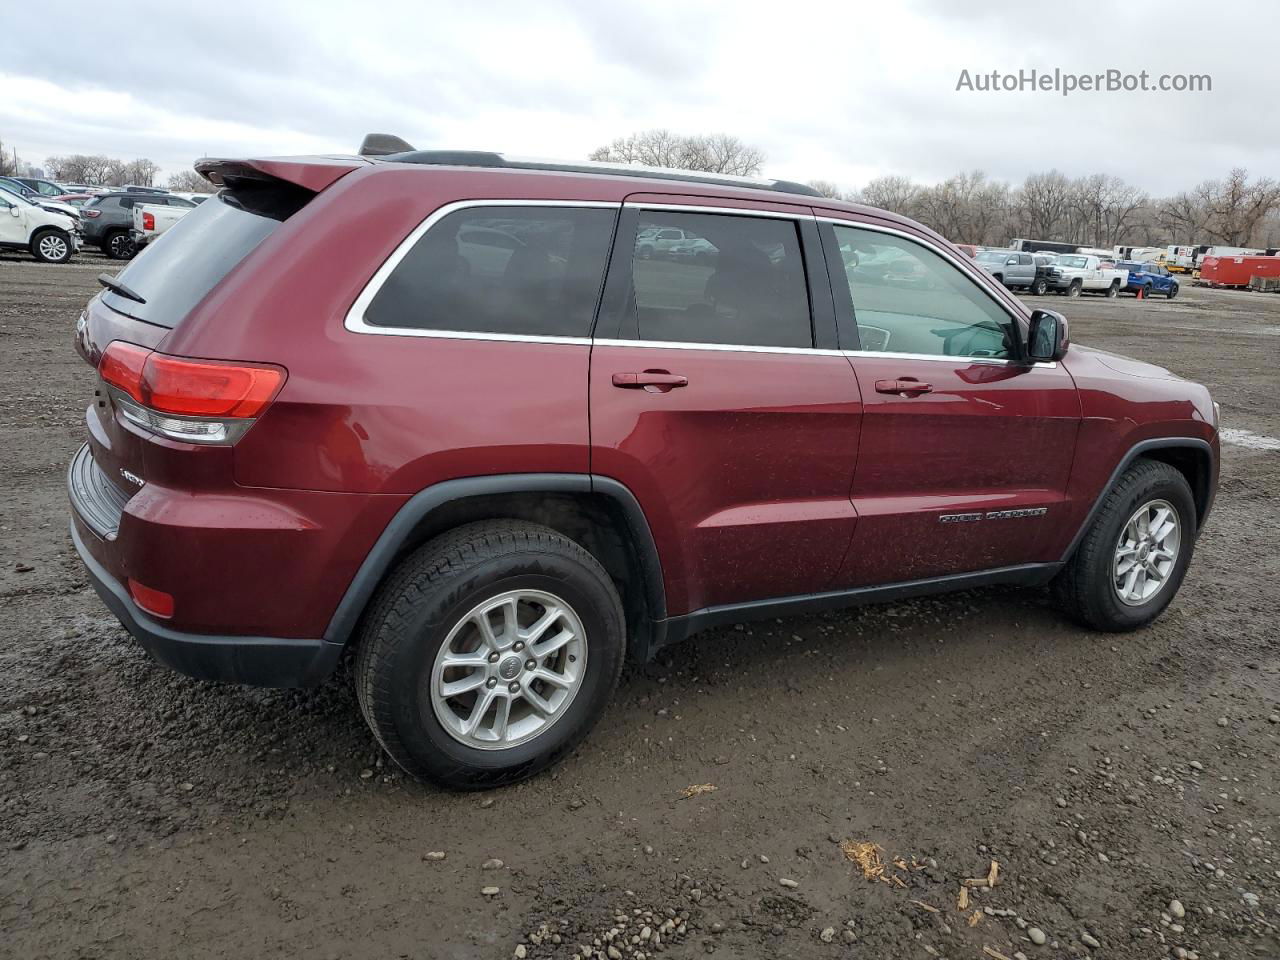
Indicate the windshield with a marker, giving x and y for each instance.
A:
(189, 259)
(1075, 262)
(994, 256)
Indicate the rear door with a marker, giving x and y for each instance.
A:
(718, 398)
(965, 450)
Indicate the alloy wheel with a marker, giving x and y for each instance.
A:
(508, 669)
(52, 247)
(1147, 552)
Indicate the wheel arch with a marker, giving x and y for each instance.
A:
(1190, 456)
(599, 513)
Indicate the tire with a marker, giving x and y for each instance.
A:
(1113, 291)
(1086, 589)
(1171, 292)
(999, 278)
(1039, 287)
(118, 245)
(424, 612)
(51, 246)
(1074, 289)
(645, 252)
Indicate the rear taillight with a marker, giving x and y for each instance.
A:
(201, 401)
(91, 214)
(148, 220)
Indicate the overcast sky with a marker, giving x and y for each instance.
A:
(841, 90)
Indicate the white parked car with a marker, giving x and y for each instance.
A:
(51, 237)
(1078, 272)
(152, 219)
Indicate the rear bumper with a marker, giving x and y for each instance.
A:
(260, 661)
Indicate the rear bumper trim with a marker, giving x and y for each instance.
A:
(258, 661)
(98, 501)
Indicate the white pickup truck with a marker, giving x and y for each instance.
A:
(1078, 272)
(151, 219)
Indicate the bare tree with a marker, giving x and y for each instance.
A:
(8, 161)
(1042, 203)
(829, 189)
(188, 181)
(894, 193)
(141, 172)
(714, 153)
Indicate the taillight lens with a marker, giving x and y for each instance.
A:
(148, 221)
(203, 401)
(153, 601)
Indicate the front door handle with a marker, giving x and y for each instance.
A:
(904, 386)
(654, 381)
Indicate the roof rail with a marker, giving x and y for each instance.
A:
(375, 143)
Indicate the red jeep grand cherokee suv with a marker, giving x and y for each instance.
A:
(433, 408)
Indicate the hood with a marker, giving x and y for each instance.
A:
(1125, 365)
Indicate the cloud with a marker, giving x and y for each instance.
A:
(843, 91)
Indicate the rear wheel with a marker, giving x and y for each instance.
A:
(1039, 287)
(1113, 291)
(51, 246)
(118, 245)
(1133, 557)
(489, 654)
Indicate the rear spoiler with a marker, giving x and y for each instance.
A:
(309, 173)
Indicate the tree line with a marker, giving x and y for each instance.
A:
(99, 170)
(1097, 210)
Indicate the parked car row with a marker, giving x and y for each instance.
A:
(79, 214)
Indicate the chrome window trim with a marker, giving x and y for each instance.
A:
(356, 323)
(730, 347)
(705, 208)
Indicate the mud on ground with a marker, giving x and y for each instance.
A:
(143, 814)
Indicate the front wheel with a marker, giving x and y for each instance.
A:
(1075, 288)
(1172, 292)
(51, 246)
(1135, 553)
(489, 654)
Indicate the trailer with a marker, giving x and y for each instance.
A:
(1236, 271)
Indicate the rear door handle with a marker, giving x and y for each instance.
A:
(907, 386)
(659, 380)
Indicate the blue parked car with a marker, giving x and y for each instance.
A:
(1149, 278)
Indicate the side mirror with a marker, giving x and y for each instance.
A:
(1012, 261)
(1047, 340)
(14, 211)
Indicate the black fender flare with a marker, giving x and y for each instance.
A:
(1201, 447)
(377, 563)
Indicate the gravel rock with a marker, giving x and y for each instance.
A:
(827, 935)
(1037, 936)
(492, 864)
(489, 891)
(434, 855)
(1089, 940)
(1177, 910)
(788, 882)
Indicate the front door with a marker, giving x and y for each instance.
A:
(714, 404)
(13, 229)
(965, 450)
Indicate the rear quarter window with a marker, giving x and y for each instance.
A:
(524, 271)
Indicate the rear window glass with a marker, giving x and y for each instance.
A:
(180, 267)
(530, 271)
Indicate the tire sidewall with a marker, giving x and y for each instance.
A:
(1158, 487)
(420, 731)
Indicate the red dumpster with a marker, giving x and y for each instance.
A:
(1236, 271)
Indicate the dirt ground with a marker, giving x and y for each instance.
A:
(143, 814)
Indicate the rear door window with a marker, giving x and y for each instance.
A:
(736, 280)
(522, 271)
